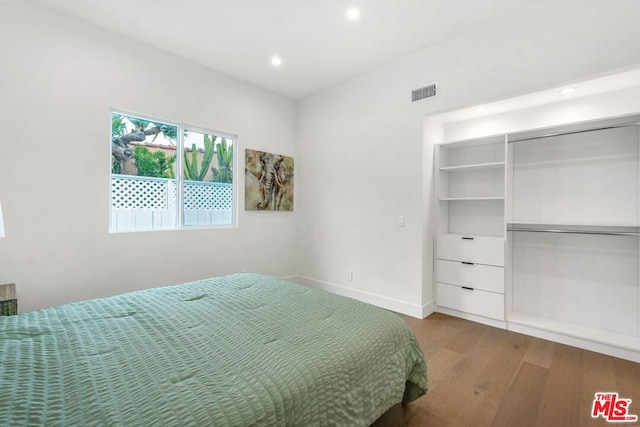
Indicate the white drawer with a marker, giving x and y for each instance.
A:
(479, 250)
(477, 276)
(474, 301)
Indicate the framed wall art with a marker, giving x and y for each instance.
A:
(268, 181)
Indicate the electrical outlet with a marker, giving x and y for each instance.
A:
(350, 275)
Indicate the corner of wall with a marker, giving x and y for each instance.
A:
(402, 307)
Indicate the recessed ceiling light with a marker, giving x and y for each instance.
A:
(567, 90)
(481, 109)
(276, 61)
(353, 14)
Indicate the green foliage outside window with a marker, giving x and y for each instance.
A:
(115, 166)
(154, 163)
(191, 170)
(118, 126)
(225, 163)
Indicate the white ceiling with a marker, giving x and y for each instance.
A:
(319, 47)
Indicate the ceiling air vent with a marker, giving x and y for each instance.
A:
(428, 91)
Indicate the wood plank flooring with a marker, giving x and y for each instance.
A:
(484, 376)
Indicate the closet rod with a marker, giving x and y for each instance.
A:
(557, 230)
(622, 125)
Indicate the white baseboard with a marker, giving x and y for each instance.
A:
(559, 337)
(585, 344)
(428, 309)
(391, 304)
(472, 317)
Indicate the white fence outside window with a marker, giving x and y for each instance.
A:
(143, 203)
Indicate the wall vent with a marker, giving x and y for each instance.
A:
(428, 91)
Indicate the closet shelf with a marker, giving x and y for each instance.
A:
(473, 167)
(474, 235)
(457, 199)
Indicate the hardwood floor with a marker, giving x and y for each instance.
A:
(484, 376)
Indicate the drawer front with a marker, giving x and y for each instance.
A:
(481, 303)
(477, 276)
(479, 250)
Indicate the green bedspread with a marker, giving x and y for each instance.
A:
(237, 350)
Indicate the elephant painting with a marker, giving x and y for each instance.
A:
(268, 181)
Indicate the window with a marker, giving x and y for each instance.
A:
(155, 188)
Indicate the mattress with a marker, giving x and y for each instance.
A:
(237, 350)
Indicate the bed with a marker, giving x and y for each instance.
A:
(237, 350)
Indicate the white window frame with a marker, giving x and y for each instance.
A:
(179, 164)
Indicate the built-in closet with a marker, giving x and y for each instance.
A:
(470, 183)
(537, 230)
(572, 222)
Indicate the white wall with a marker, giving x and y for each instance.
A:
(360, 155)
(58, 80)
